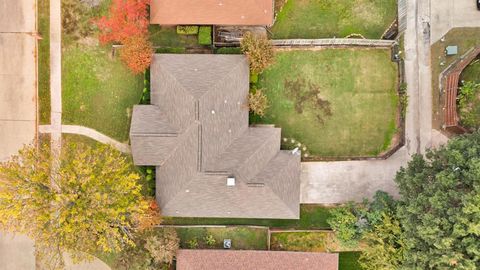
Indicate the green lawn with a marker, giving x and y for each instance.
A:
(98, 91)
(299, 241)
(166, 36)
(349, 261)
(311, 217)
(242, 237)
(326, 18)
(472, 71)
(44, 61)
(334, 102)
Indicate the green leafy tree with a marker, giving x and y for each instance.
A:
(90, 202)
(352, 221)
(343, 222)
(258, 50)
(440, 207)
(384, 245)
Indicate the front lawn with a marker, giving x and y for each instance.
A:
(335, 103)
(326, 18)
(44, 61)
(242, 237)
(98, 91)
(311, 217)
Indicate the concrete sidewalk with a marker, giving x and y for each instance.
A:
(18, 75)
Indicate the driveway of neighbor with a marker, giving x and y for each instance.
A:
(448, 14)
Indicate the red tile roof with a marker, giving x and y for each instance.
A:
(255, 260)
(215, 12)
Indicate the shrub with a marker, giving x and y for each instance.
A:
(210, 240)
(253, 78)
(163, 247)
(137, 53)
(127, 18)
(193, 243)
(469, 104)
(205, 35)
(257, 102)
(187, 29)
(258, 50)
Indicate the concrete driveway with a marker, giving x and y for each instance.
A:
(448, 14)
(18, 78)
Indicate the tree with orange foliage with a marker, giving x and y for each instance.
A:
(137, 53)
(128, 25)
(151, 217)
(127, 18)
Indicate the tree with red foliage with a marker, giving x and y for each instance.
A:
(127, 18)
(137, 53)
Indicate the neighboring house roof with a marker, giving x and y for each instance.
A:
(211, 12)
(254, 260)
(196, 132)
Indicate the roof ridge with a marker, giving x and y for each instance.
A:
(237, 66)
(263, 143)
(277, 172)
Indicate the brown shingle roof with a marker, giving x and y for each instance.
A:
(212, 12)
(196, 132)
(255, 260)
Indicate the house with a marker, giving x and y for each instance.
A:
(209, 162)
(212, 12)
(254, 260)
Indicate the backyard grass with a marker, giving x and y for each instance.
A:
(349, 261)
(98, 91)
(44, 61)
(326, 18)
(311, 217)
(465, 39)
(472, 71)
(242, 237)
(299, 241)
(166, 36)
(334, 103)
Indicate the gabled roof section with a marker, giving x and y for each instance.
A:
(198, 259)
(211, 12)
(196, 132)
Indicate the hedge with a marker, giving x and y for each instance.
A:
(205, 35)
(187, 29)
(229, 50)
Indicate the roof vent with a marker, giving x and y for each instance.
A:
(231, 181)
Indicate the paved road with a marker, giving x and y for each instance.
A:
(18, 81)
(448, 14)
(338, 182)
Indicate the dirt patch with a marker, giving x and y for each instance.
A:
(307, 95)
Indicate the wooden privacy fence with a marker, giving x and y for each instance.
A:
(333, 42)
(449, 84)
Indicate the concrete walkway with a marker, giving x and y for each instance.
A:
(88, 132)
(343, 181)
